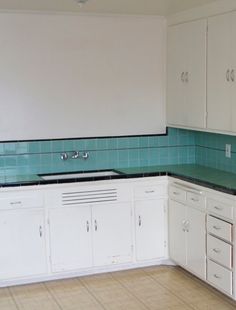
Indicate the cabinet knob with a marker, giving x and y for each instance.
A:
(95, 225)
(40, 231)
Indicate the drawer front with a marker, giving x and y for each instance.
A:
(220, 277)
(219, 251)
(220, 208)
(219, 228)
(21, 200)
(150, 191)
(196, 200)
(177, 193)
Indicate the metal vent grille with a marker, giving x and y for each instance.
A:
(88, 197)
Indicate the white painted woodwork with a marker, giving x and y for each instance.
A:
(219, 89)
(177, 234)
(70, 238)
(150, 229)
(220, 251)
(186, 87)
(22, 238)
(112, 234)
(196, 242)
(69, 76)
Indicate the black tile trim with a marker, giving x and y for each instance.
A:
(89, 138)
(120, 176)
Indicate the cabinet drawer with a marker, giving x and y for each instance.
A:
(20, 200)
(220, 277)
(177, 193)
(219, 251)
(149, 191)
(219, 228)
(220, 208)
(196, 200)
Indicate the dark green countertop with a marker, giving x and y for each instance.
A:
(212, 178)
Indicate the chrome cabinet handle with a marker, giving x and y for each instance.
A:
(187, 226)
(95, 225)
(228, 75)
(216, 251)
(216, 276)
(139, 221)
(195, 199)
(40, 231)
(15, 203)
(184, 225)
(218, 208)
(217, 227)
(87, 226)
(232, 76)
(186, 77)
(176, 193)
(149, 192)
(182, 76)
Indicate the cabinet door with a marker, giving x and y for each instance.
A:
(219, 104)
(112, 234)
(186, 104)
(196, 73)
(196, 242)
(176, 87)
(233, 77)
(150, 229)
(70, 238)
(22, 240)
(177, 235)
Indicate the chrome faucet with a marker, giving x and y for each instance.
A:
(75, 155)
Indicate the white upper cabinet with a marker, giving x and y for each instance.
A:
(186, 90)
(220, 72)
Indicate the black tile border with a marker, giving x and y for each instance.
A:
(121, 175)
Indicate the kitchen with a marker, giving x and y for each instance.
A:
(117, 154)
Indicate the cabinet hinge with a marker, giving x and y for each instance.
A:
(48, 221)
(165, 244)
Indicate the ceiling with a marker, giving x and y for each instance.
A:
(149, 7)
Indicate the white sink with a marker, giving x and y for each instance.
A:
(79, 175)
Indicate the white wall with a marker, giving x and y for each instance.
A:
(80, 76)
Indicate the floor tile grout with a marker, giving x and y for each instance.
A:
(52, 295)
(90, 292)
(13, 298)
(139, 300)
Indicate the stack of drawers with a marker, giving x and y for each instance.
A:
(220, 245)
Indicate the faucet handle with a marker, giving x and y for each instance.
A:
(64, 156)
(85, 155)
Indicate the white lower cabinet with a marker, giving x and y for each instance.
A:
(90, 235)
(22, 240)
(112, 234)
(70, 238)
(150, 229)
(187, 233)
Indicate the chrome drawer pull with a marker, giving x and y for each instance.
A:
(87, 226)
(217, 227)
(195, 199)
(95, 225)
(15, 203)
(228, 75)
(149, 192)
(218, 208)
(176, 193)
(216, 251)
(139, 221)
(40, 231)
(216, 276)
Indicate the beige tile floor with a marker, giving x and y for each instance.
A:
(154, 288)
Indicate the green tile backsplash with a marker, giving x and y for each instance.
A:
(178, 147)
